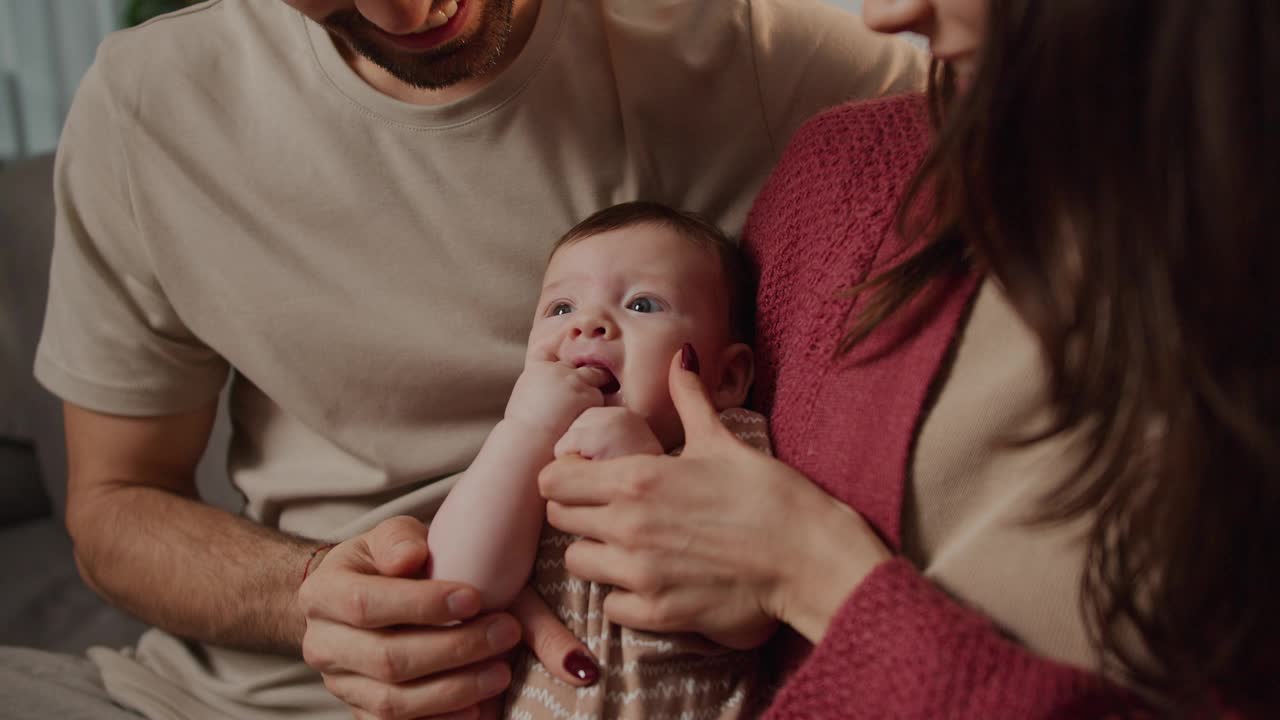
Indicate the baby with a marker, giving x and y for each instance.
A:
(624, 290)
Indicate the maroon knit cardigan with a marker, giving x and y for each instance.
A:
(899, 647)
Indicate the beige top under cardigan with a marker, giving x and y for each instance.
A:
(969, 490)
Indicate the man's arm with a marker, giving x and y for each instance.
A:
(145, 541)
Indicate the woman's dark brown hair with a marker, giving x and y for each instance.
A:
(1115, 166)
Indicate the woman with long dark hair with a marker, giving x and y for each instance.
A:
(1020, 333)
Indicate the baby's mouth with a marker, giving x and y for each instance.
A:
(611, 386)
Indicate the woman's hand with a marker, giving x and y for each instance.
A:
(722, 540)
(391, 644)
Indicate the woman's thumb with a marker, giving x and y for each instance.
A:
(697, 414)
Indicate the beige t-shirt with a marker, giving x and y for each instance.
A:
(233, 197)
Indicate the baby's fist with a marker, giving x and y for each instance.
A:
(548, 396)
(601, 433)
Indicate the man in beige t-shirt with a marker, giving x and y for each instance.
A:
(345, 205)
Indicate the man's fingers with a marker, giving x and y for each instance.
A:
(439, 694)
(407, 654)
(397, 547)
(560, 651)
(369, 601)
(698, 415)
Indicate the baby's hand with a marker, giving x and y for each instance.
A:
(549, 395)
(601, 433)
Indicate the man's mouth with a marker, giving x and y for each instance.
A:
(442, 24)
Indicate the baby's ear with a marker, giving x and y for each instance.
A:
(737, 370)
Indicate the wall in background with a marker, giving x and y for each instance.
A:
(45, 47)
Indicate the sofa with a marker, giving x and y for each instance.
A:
(44, 603)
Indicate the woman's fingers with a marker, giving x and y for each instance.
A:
(698, 415)
(439, 694)
(490, 709)
(655, 613)
(560, 651)
(402, 655)
(575, 480)
(585, 520)
(475, 712)
(603, 563)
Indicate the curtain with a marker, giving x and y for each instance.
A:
(45, 47)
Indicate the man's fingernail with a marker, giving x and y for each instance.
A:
(503, 633)
(463, 603)
(581, 667)
(689, 358)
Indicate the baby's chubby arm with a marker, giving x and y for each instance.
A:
(486, 532)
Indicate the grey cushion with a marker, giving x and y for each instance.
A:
(22, 496)
(30, 414)
(51, 608)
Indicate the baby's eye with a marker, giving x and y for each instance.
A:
(560, 308)
(643, 305)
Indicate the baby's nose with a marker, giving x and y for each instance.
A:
(597, 327)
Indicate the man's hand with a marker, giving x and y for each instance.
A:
(394, 645)
(550, 394)
(601, 433)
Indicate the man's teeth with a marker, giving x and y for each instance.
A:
(441, 13)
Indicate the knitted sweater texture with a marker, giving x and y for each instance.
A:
(899, 647)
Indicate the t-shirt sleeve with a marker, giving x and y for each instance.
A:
(112, 341)
(811, 55)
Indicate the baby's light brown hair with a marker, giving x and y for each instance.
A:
(735, 271)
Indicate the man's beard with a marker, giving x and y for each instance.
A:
(457, 60)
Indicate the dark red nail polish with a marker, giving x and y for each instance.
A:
(689, 358)
(581, 667)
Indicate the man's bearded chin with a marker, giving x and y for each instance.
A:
(460, 59)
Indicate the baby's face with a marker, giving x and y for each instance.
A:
(627, 300)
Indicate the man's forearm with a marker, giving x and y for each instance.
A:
(486, 532)
(192, 569)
